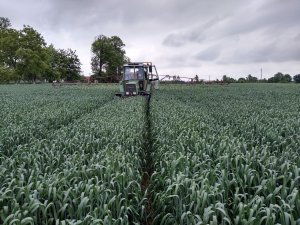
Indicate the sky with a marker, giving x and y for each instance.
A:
(209, 38)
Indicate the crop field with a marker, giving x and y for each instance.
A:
(193, 154)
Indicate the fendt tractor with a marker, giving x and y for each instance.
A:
(138, 79)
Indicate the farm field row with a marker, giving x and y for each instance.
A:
(84, 171)
(214, 155)
(31, 112)
(226, 155)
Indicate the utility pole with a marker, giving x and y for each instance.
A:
(261, 73)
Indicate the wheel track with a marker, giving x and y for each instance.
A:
(148, 167)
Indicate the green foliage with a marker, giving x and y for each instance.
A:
(297, 78)
(70, 155)
(228, 79)
(6, 74)
(251, 79)
(248, 79)
(280, 78)
(32, 55)
(226, 155)
(9, 44)
(108, 56)
(68, 64)
(241, 80)
(62, 64)
(101, 50)
(219, 155)
(26, 54)
(52, 73)
(4, 23)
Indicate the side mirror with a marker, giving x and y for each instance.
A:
(150, 69)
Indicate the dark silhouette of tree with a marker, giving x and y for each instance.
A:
(280, 77)
(297, 78)
(251, 79)
(4, 23)
(241, 80)
(228, 79)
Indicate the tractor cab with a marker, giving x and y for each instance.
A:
(137, 74)
(137, 79)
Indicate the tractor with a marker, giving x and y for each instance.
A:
(138, 79)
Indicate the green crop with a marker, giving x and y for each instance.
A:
(83, 170)
(194, 154)
(226, 155)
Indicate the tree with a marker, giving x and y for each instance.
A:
(25, 55)
(101, 50)
(52, 72)
(228, 79)
(251, 79)
(287, 78)
(263, 80)
(297, 78)
(108, 56)
(241, 80)
(68, 65)
(276, 78)
(4, 23)
(6, 74)
(9, 44)
(32, 55)
(117, 56)
(280, 77)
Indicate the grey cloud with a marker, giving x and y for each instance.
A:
(275, 16)
(273, 52)
(82, 14)
(197, 34)
(209, 54)
(297, 37)
(174, 40)
(286, 55)
(170, 31)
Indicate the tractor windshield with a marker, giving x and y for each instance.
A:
(134, 73)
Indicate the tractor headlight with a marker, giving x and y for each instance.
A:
(134, 93)
(127, 93)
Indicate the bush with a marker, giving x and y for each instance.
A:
(297, 78)
(6, 74)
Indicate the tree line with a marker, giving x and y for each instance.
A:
(276, 78)
(26, 57)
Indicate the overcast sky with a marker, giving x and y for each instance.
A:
(182, 37)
